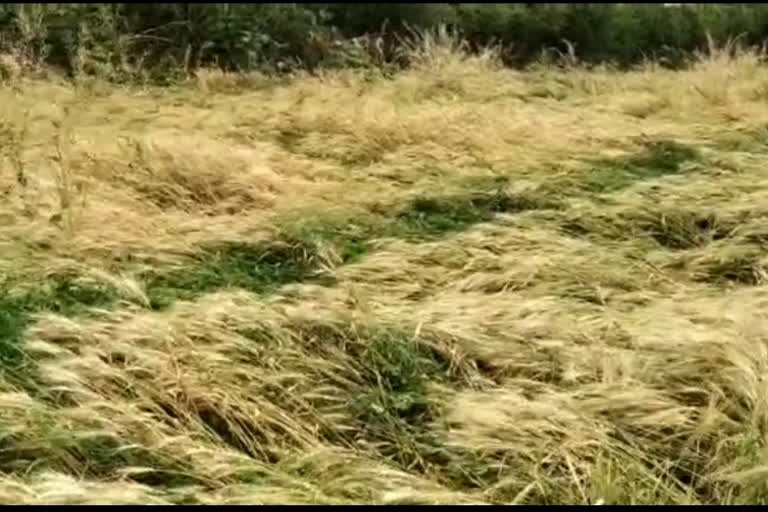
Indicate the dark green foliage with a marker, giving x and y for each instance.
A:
(162, 39)
(13, 320)
(356, 19)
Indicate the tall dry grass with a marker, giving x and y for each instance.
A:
(460, 284)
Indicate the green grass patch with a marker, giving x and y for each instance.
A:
(102, 455)
(423, 218)
(746, 451)
(657, 159)
(348, 234)
(662, 157)
(66, 295)
(389, 406)
(294, 257)
(430, 216)
(398, 368)
(259, 268)
(394, 411)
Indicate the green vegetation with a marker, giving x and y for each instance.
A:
(65, 295)
(163, 41)
(295, 258)
(435, 215)
(258, 269)
(657, 159)
(446, 282)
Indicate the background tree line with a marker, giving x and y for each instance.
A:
(167, 38)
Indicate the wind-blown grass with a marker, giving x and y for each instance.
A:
(438, 287)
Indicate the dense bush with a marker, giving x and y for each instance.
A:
(165, 38)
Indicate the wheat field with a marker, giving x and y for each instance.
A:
(456, 284)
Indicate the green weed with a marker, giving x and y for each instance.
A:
(256, 268)
(659, 158)
(63, 295)
(430, 216)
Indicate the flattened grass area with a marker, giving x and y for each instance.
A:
(357, 289)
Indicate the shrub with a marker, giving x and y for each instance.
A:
(119, 40)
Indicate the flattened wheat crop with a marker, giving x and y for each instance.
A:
(456, 284)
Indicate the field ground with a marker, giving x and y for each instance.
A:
(459, 284)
